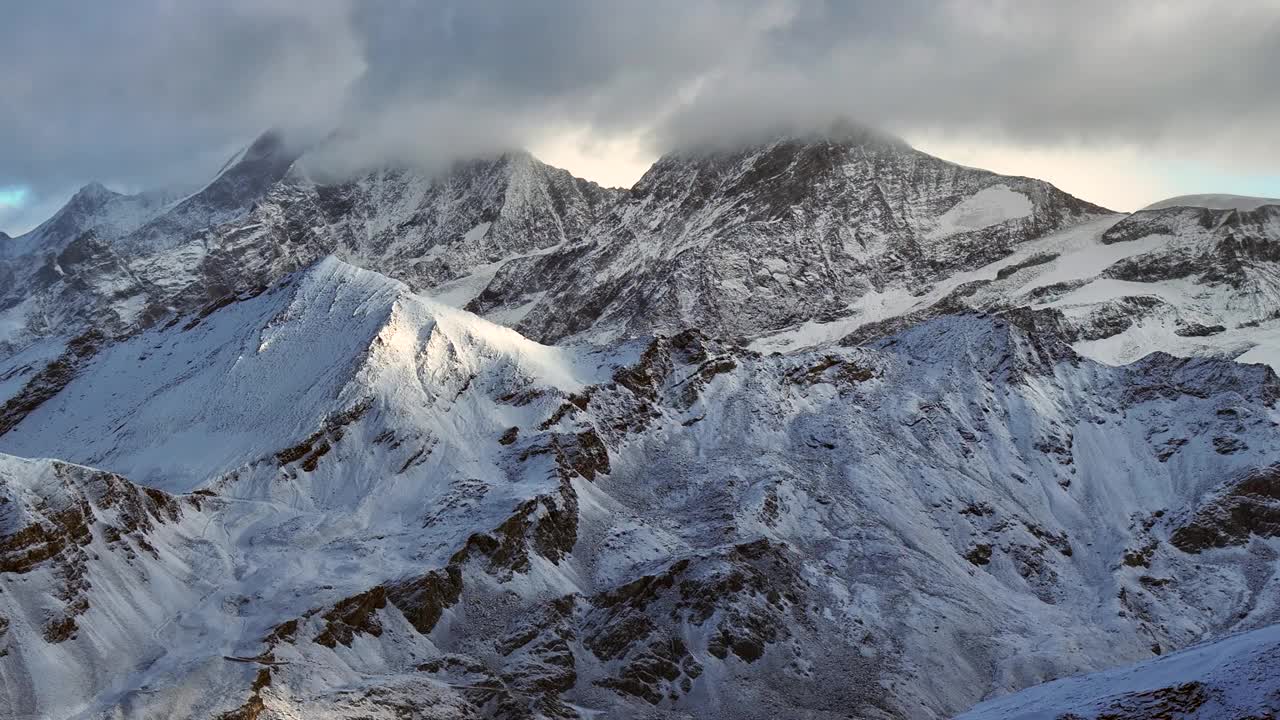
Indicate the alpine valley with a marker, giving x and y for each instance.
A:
(817, 427)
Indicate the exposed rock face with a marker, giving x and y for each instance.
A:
(1183, 280)
(245, 181)
(1217, 246)
(751, 590)
(1246, 507)
(1190, 281)
(49, 381)
(111, 262)
(423, 230)
(431, 231)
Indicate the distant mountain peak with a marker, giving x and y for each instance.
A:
(758, 238)
(95, 189)
(91, 197)
(1214, 202)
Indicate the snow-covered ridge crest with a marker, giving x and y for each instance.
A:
(420, 339)
(328, 339)
(1214, 202)
(263, 217)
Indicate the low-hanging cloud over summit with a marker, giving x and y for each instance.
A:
(143, 92)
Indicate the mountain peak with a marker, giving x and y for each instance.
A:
(269, 143)
(841, 132)
(245, 179)
(844, 131)
(324, 340)
(91, 197)
(95, 190)
(756, 239)
(92, 207)
(1214, 202)
(519, 156)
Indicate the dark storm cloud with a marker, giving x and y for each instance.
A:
(139, 92)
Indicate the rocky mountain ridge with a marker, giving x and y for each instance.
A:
(748, 241)
(494, 232)
(261, 218)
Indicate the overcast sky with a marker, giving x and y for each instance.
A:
(1119, 102)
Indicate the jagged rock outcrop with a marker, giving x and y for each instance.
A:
(77, 546)
(1215, 246)
(1244, 508)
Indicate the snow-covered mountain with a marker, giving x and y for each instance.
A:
(1214, 202)
(101, 262)
(1193, 282)
(833, 428)
(262, 217)
(69, 240)
(383, 502)
(747, 241)
(445, 233)
(93, 207)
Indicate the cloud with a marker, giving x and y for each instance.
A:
(142, 92)
(1189, 74)
(139, 93)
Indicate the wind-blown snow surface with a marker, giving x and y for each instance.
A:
(989, 206)
(412, 507)
(1235, 677)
